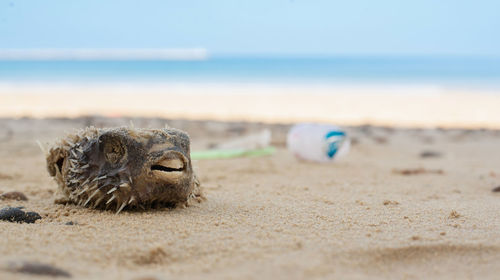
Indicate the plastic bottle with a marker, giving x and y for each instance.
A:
(318, 142)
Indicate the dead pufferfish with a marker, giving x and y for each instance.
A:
(124, 168)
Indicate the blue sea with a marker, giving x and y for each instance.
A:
(471, 71)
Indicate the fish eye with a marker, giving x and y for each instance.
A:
(114, 149)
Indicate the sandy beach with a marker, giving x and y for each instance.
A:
(164, 140)
(404, 204)
(403, 105)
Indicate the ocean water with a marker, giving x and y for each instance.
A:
(474, 71)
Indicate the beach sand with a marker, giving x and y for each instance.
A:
(382, 212)
(390, 105)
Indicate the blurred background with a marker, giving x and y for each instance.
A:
(411, 63)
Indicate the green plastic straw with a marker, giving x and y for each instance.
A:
(232, 153)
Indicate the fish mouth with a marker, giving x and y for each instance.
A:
(169, 167)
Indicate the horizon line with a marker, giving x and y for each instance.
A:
(104, 54)
(191, 54)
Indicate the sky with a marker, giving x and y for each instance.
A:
(258, 27)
